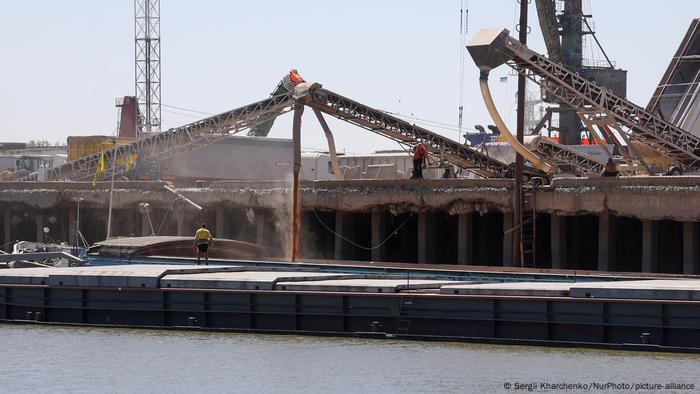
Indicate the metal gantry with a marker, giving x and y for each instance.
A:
(157, 146)
(147, 67)
(586, 96)
(406, 133)
(563, 156)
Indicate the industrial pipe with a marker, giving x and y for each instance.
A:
(331, 144)
(522, 150)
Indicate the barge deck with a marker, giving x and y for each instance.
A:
(615, 311)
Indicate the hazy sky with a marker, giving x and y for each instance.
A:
(65, 62)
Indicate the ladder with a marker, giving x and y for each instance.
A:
(403, 325)
(528, 225)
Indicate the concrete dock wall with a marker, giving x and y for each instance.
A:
(629, 224)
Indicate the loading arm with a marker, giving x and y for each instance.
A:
(162, 145)
(405, 133)
(491, 48)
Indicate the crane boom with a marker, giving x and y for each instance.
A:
(161, 145)
(493, 47)
(403, 132)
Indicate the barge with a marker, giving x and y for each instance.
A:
(628, 311)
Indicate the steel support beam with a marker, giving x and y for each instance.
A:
(296, 203)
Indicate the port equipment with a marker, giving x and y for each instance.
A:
(406, 133)
(494, 47)
(147, 67)
(565, 158)
(158, 146)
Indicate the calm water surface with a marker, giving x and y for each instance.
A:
(88, 360)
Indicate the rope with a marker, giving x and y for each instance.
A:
(167, 215)
(380, 244)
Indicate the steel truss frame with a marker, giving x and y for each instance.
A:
(147, 65)
(407, 134)
(583, 95)
(158, 146)
(560, 155)
(605, 124)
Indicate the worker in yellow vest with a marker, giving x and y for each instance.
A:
(202, 240)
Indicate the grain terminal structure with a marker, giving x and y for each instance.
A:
(547, 253)
(636, 224)
(633, 223)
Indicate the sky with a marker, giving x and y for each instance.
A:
(64, 63)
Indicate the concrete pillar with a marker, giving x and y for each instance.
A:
(508, 239)
(181, 223)
(650, 253)
(378, 236)
(465, 238)
(220, 222)
(71, 226)
(338, 249)
(7, 226)
(606, 242)
(691, 263)
(260, 216)
(66, 227)
(344, 227)
(407, 237)
(558, 239)
(426, 238)
(39, 220)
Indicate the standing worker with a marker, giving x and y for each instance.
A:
(202, 239)
(420, 156)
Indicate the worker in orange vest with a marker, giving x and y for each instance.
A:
(420, 156)
(295, 77)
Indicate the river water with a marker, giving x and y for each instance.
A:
(60, 359)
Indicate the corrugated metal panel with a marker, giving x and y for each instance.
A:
(676, 98)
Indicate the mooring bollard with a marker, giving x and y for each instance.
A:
(646, 338)
(30, 315)
(192, 320)
(376, 326)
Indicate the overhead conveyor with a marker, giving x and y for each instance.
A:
(492, 48)
(565, 158)
(406, 133)
(161, 145)
(259, 116)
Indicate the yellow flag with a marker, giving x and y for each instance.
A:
(100, 168)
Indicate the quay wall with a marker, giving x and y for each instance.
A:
(638, 224)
